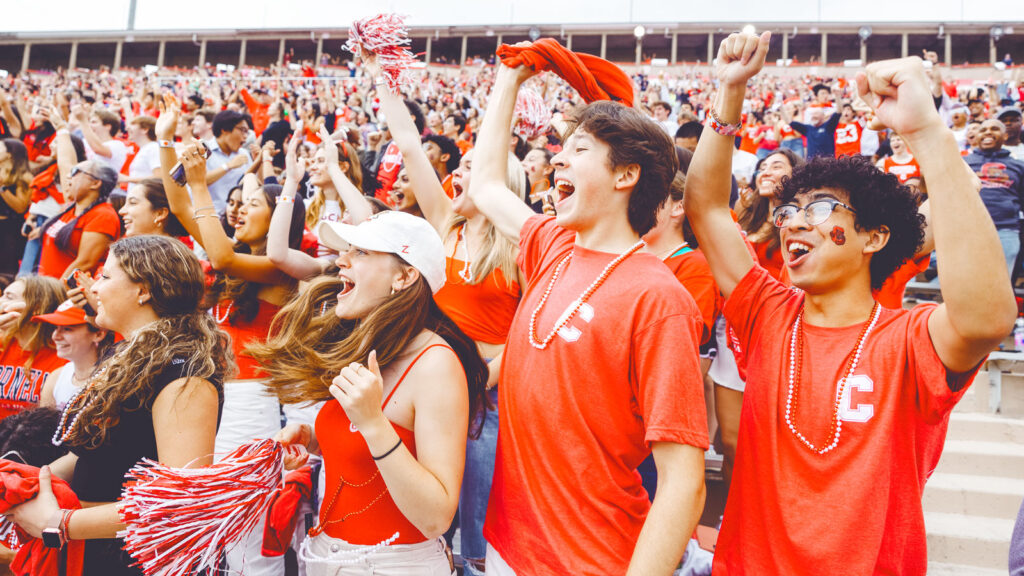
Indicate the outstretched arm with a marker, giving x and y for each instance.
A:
(978, 308)
(358, 206)
(488, 188)
(430, 196)
(294, 263)
(706, 199)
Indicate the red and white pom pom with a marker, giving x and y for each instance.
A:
(387, 36)
(180, 520)
(533, 114)
(9, 534)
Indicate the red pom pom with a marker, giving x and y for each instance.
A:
(180, 520)
(533, 114)
(386, 36)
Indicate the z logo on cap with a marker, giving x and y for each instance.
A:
(405, 249)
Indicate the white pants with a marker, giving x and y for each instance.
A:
(495, 565)
(327, 556)
(251, 412)
(724, 371)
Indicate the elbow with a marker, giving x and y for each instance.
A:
(436, 526)
(220, 262)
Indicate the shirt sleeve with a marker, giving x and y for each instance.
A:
(935, 384)
(104, 221)
(799, 127)
(536, 239)
(755, 299)
(670, 385)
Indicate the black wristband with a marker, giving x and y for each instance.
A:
(388, 453)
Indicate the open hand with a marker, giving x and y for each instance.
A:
(167, 123)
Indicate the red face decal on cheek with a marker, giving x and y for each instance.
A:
(838, 235)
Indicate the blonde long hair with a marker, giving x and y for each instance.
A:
(499, 252)
(184, 331)
(43, 295)
(354, 173)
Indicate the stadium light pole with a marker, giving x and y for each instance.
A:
(639, 32)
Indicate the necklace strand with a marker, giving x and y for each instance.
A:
(216, 312)
(466, 273)
(61, 433)
(795, 365)
(578, 303)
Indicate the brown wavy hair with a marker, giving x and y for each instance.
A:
(42, 296)
(309, 344)
(184, 331)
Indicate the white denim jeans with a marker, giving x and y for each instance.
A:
(327, 556)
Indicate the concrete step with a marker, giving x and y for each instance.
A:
(980, 427)
(1001, 459)
(986, 496)
(943, 569)
(968, 540)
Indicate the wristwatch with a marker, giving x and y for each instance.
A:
(53, 536)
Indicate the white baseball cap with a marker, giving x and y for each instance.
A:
(409, 237)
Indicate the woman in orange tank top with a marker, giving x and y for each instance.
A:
(481, 293)
(403, 386)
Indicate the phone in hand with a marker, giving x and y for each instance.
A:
(72, 283)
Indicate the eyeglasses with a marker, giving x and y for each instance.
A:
(77, 170)
(814, 213)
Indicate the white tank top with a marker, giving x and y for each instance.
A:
(64, 389)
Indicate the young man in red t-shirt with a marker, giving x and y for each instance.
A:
(845, 401)
(601, 364)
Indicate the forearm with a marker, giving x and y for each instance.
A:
(674, 513)
(19, 202)
(420, 495)
(96, 522)
(975, 283)
(491, 152)
(280, 224)
(217, 173)
(177, 196)
(64, 467)
(215, 241)
(97, 145)
(358, 206)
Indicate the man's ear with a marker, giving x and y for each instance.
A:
(877, 239)
(627, 176)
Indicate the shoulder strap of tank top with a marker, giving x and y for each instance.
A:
(411, 364)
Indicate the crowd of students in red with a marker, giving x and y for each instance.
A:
(710, 266)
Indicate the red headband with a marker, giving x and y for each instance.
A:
(594, 78)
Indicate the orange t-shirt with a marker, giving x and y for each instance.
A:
(464, 145)
(102, 219)
(17, 392)
(890, 294)
(578, 417)
(691, 268)
(244, 331)
(260, 112)
(848, 139)
(902, 171)
(747, 135)
(857, 508)
(484, 311)
(773, 262)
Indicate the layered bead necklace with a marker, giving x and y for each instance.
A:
(578, 303)
(796, 356)
(62, 433)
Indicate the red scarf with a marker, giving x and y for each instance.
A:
(594, 78)
(20, 483)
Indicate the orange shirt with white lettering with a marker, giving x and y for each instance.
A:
(903, 171)
(578, 417)
(20, 390)
(855, 509)
(848, 139)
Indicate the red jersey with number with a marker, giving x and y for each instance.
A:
(903, 171)
(848, 139)
(19, 388)
(579, 416)
(855, 509)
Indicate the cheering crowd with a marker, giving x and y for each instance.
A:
(460, 321)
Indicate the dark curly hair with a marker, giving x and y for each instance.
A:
(878, 199)
(634, 139)
(27, 437)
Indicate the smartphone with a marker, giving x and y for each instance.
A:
(72, 283)
(26, 228)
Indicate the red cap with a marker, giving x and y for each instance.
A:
(67, 314)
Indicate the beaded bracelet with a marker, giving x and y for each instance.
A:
(723, 128)
(209, 207)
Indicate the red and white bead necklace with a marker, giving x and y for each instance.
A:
(796, 361)
(578, 303)
(62, 433)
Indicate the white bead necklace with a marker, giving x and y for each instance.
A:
(795, 350)
(216, 313)
(578, 303)
(61, 433)
(466, 273)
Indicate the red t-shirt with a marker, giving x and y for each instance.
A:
(577, 418)
(691, 268)
(747, 138)
(856, 509)
(848, 139)
(17, 392)
(891, 293)
(102, 218)
(902, 171)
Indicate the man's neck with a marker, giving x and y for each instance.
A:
(222, 144)
(613, 235)
(664, 244)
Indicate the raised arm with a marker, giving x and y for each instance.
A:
(978, 308)
(488, 188)
(358, 206)
(294, 263)
(97, 145)
(178, 199)
(215, 241)
(430, 196)
(706, 199)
